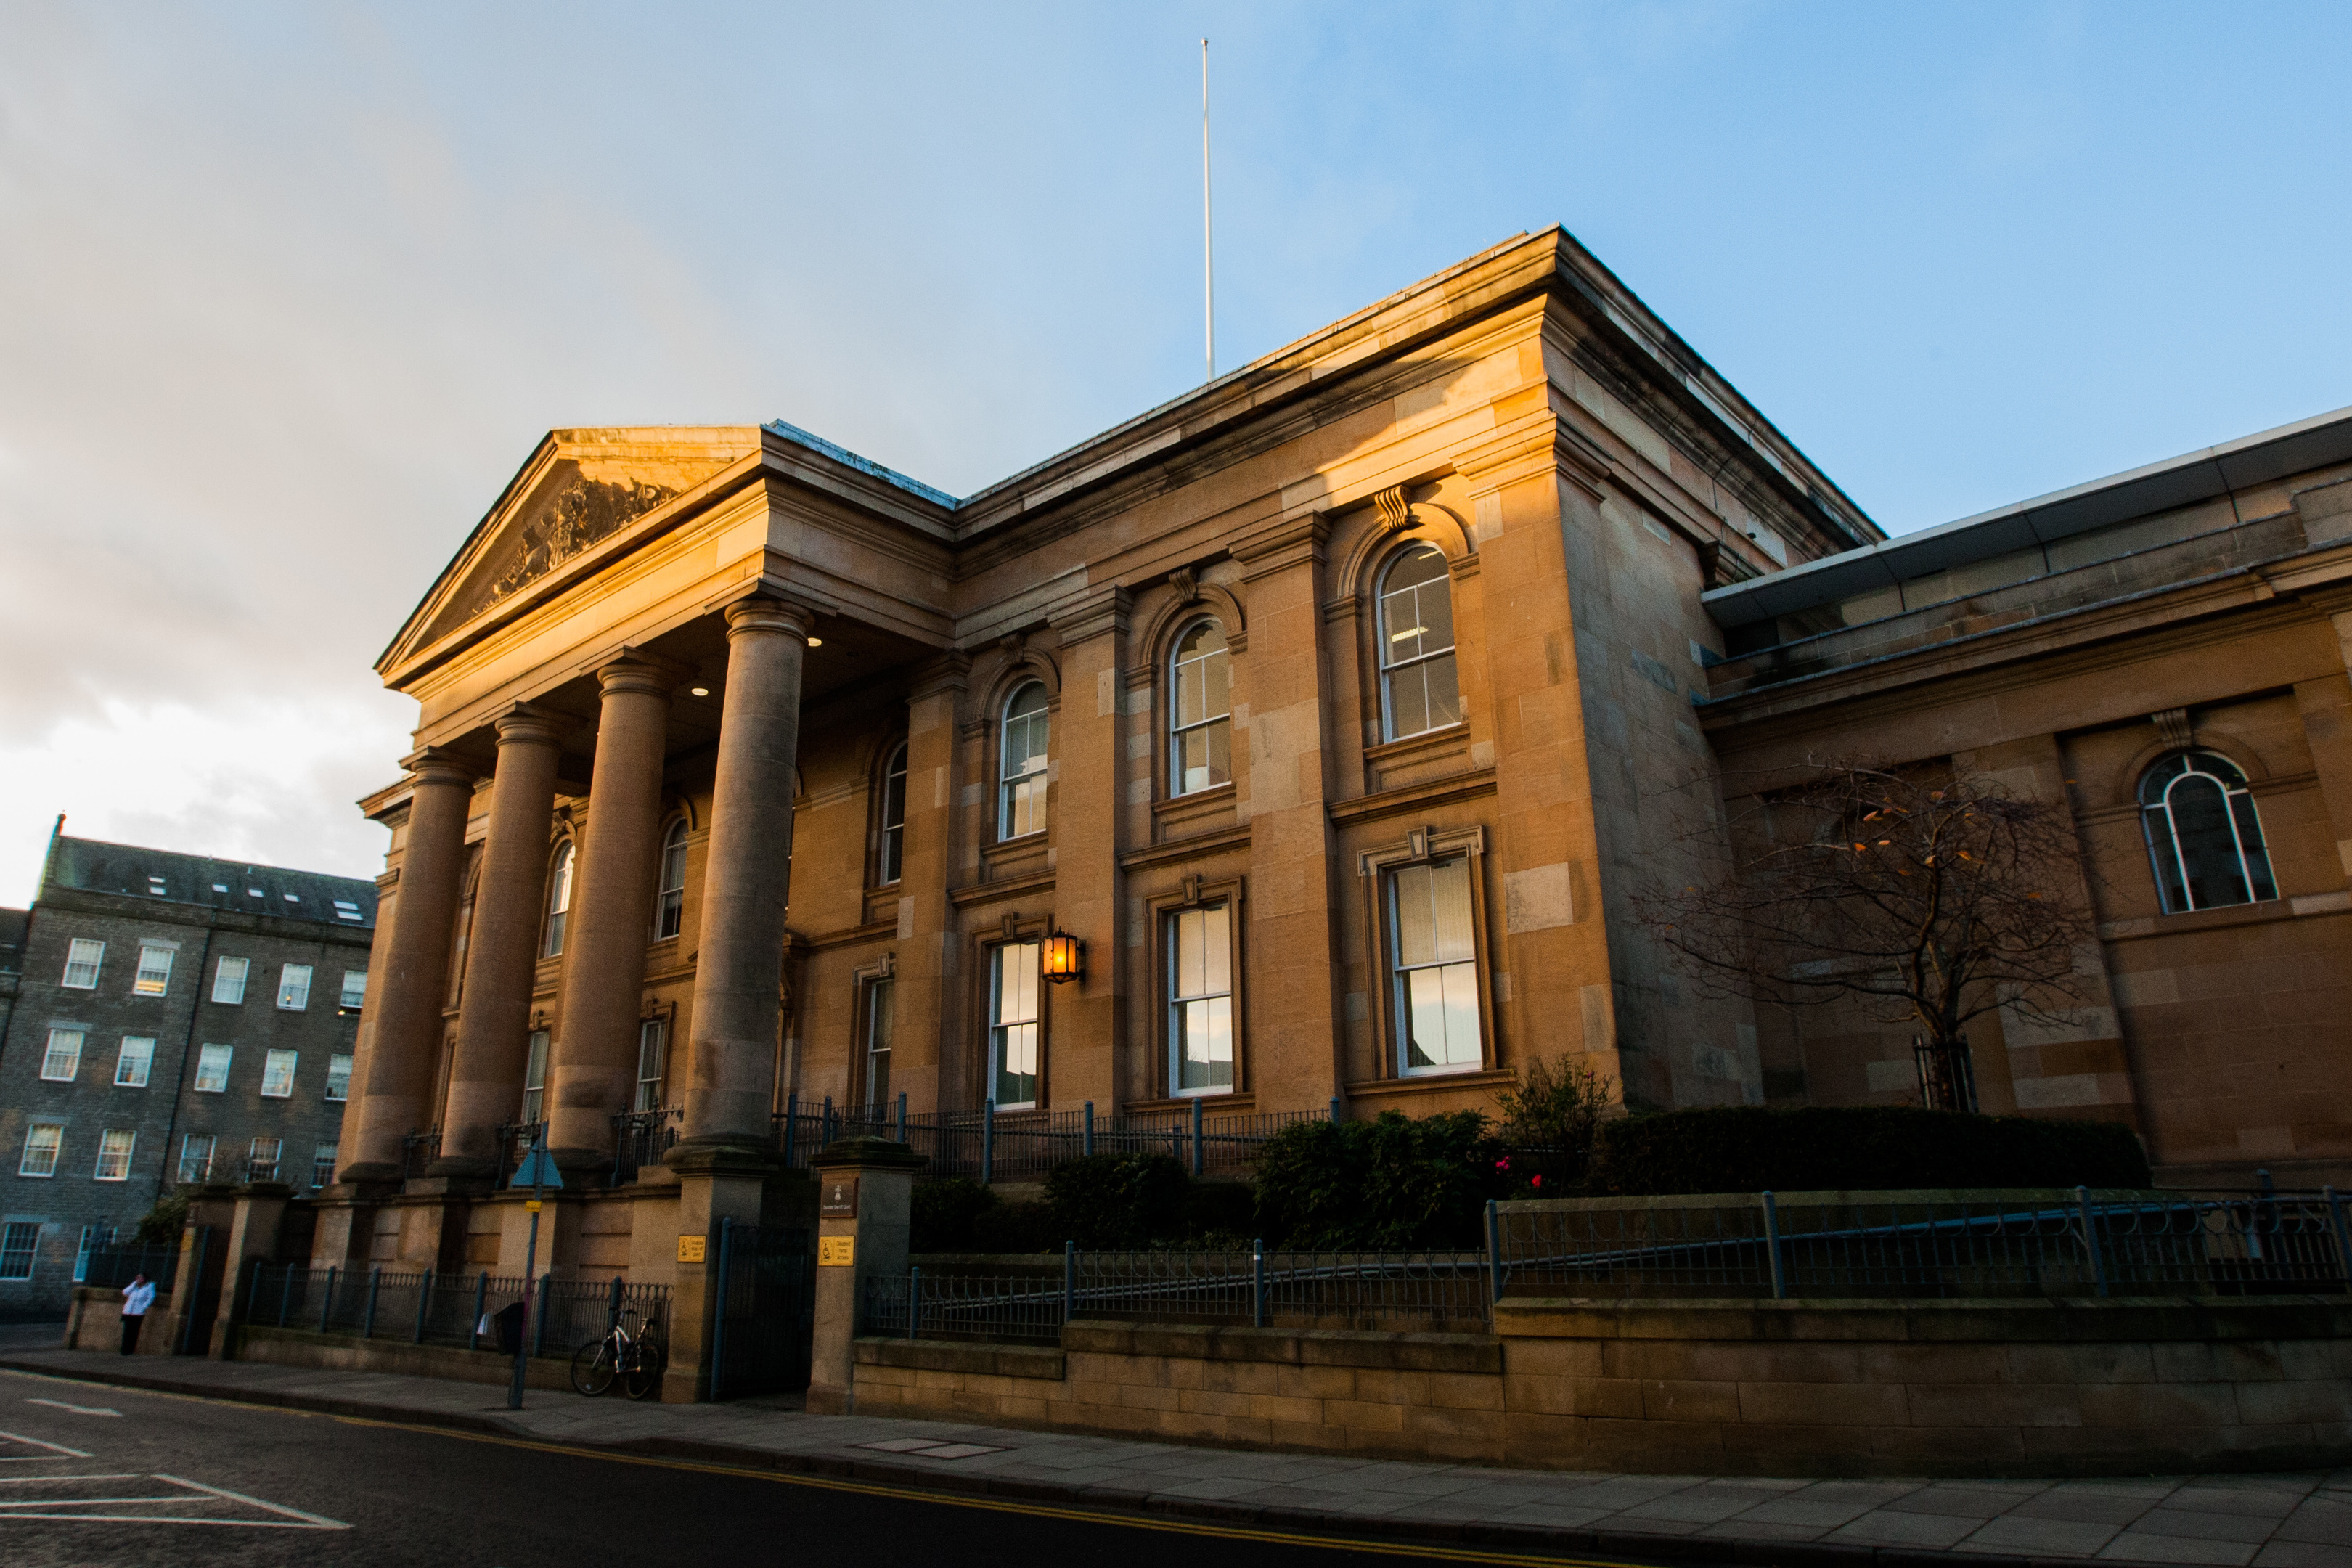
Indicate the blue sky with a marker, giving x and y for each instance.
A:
(293, 289)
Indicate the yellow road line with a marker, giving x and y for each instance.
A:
(1429, 1550)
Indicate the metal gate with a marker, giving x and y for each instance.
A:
(767, 1304)
(210, 1264)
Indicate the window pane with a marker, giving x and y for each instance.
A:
(322, 1165)
(881, 1020)
(278, 1074)
(2249, 838)
(64, 1057)
(339, 1078)
(133, 1065)
(652, 1062)
(294, 987)
(1216, 938)
(17, 1245)
(196, 1157)
(1191, 965)
(154, 976)
(2151, 789)
(212, 1068)
(1445, 696)
(1449, 887)
(43, 1140)
(1433, 604)
(1408, 702)
(261, 1160)
(114, 1155)
(228, 979)
(354, 988)
(83, 957)
(1424, 1019)
(1416, 932)
(1014, 1041)
(2209, 850)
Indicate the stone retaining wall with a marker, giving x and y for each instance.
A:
(1957, 1388)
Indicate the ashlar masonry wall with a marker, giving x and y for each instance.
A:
(1937, 1388)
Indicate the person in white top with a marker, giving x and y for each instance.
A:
(137, 1297)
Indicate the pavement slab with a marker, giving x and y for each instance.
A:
(2301, 1519)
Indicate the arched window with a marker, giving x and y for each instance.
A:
(1418, 688)
(891, 858)
(669, 904)
(559, 899)
(2204, 838)
(1021, 792)
(1200, 710)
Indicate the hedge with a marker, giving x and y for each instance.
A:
(1747, 1149)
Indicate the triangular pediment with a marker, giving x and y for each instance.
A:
(581, 490)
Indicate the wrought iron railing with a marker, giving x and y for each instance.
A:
(1922, 1244)
(515, 1141)
(1394, 1291)
(640, 1138)
(418, 1153)
(445, 1308)
(989, 1143)
(112, 1266)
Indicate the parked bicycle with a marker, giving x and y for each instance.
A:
(631, 1351)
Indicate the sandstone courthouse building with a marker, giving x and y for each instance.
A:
(1336, 709)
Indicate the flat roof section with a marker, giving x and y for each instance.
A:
(2202, 475)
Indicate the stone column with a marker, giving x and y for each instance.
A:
(747, 877)
(728, 1149)
(494, 1016)
(874, 1178)
(1291, 940)
(926, 952)
(595, 1054)
(1084, 1054)
(400, 1031)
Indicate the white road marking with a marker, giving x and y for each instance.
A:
(56, 1451)
(46, 1480)
(317, 1520)
(77, 1409)
(72, 1507)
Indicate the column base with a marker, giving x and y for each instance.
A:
(458, 1167)
(721, 1156)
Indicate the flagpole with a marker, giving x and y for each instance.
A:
(1208, 246)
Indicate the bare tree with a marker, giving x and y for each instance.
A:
(1921, 897)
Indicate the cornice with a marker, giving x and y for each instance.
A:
(1879, 686)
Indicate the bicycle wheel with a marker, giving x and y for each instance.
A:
(591, 1367)
(642, 1375)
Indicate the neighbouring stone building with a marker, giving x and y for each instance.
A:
(1336, 709)
(178, 1018)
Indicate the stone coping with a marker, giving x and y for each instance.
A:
(2016, 1319)
(1836, 1199)
(960, 1355)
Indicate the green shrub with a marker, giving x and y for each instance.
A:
(1388, 1182)
(1118, 1201)
(940, 1214)
(1551, 1113)
(1217, 1215)
(1747, 1149)
(164, 1223)
(1015, 1228)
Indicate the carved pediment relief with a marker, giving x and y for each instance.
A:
(583, 489)
(570, 517)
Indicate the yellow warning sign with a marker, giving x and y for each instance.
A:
(690, 1248)
(836, 1251)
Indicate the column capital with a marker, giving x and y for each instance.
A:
(432, 764)
(524, 725)
(634, 671)
(760, 614)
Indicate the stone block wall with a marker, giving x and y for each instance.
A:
(1947, 1388)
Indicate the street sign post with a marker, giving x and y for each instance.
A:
(538, 1168)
